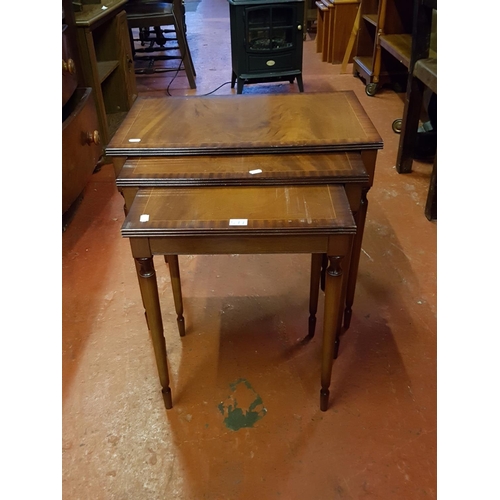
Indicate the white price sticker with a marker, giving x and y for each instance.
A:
(238, 222)
(144, 218)
(134, 140)
(256, 171)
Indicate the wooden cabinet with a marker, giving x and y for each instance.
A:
(81, 145)
(384, 43)
(107, 62)
(81, 148)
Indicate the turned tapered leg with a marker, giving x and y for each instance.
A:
(316, 260)
(346, 265)
(151, 301)
(360, 219)
(333, 294)
(175, 278)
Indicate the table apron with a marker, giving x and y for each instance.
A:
(336, 244)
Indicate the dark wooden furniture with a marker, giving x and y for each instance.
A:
(335, 22)
(422, 75)
(266, 41)
(151, 19)
(384, 41)
(255, 140)
(309, 16)
(107, 63)
(287, 219)
(81, 145)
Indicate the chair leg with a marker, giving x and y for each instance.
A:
(185, 53)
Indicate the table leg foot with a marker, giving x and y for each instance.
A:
(324, 394)
(311, 328)
(167, 398)
(336, 348)
(181, 327)
(347, 318)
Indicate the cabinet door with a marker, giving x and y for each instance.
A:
(69, 77)
(81, 148)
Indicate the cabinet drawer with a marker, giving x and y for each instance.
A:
(69, 78)
(81, 148)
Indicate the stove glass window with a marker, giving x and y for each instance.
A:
(270, 28)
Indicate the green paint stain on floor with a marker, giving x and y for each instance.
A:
(243, 407)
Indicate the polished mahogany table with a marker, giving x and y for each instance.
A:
(241, 219)
(305, 139)
(184, 141)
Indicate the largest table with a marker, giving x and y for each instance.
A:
(259, 140)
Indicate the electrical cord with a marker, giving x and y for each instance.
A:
(197, 95)
(166, 70)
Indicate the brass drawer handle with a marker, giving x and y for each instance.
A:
(69, 66)
(93, 137)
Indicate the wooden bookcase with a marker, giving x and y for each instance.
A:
(107, 62)
(384, 43)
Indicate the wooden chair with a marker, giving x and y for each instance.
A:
(422, 74)
(151, 18)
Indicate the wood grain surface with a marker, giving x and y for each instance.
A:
(293, 123)
(261, 210)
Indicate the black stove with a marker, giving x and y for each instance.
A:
(266, 41)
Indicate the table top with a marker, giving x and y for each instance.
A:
(239, 211)
(245, 124)
(258, 169)
(92, 13)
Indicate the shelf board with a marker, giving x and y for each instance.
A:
(371, 18)
(105, 68)
(399, 46)
(365, 64)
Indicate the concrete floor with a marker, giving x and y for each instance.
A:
(245, 317)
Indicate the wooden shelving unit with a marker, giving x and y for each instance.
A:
(107, 62)
(384, 43)
(399, 46)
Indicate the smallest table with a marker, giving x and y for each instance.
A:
(244, 220)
